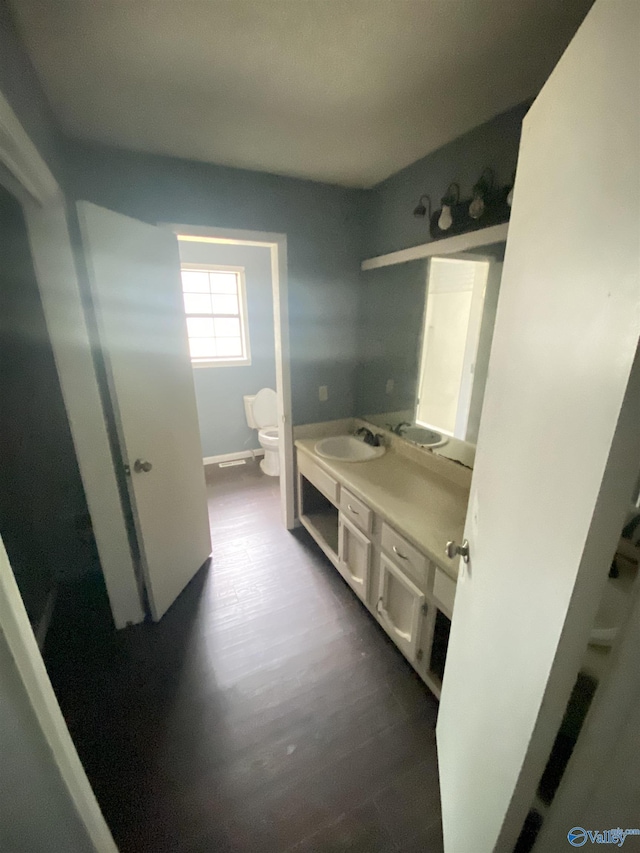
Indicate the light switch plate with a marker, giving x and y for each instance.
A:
(389, 386)
(323, 393)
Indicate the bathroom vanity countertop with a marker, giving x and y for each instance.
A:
(421, 504)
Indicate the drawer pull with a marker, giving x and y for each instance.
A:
(351, 509)
(399, 553)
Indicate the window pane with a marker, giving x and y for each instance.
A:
(202, 347)
(200, 327)
(224, 282)
(197, 303)
(227, 328)
(195, 282)
(229, 346)
(224, 304)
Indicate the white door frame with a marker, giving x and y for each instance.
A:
(24, 173)
(277, 245)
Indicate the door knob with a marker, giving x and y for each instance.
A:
(141, 466)
(454, 550)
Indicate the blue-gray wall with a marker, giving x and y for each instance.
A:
(387, 211)
(219, 390)
(329, 230)
(391, 302)
(390, 332)
(323, 247)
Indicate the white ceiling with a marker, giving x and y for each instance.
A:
(344, 91)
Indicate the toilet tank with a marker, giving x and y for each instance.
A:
(248, 410)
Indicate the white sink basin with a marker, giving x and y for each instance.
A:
(424, 436)
(346, 448)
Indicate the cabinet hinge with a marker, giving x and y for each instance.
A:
(419, 654)
(424, 609)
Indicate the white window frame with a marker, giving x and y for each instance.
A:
(244, 360)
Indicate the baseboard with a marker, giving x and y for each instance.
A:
(230, 457)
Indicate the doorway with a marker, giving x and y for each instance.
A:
(225, 387)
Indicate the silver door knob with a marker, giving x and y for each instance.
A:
(140, 466)
(454, 550)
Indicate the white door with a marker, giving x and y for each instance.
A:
(354, 558)
(559, 440)
(134, 272)
(400, 607)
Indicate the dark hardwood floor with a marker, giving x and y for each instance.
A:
(266, 712)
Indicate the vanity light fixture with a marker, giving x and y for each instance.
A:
(420, 209)
(482, 190)
(452, 197)
(488, 206)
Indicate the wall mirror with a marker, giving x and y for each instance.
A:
(425, 339)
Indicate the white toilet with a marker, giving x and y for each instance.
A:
(261, 411)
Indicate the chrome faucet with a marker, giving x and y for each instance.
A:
(399, 429)
(376, 440)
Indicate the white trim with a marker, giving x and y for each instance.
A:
(15, 627)
(277, 244)
(227, 236)
(459, 243)
(231, 457)
(21, 157)
(45, 215)
(46, 221)
(232, 362)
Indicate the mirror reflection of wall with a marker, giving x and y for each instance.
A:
(425, 338)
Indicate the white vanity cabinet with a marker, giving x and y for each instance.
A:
(410, 596)
(354, 558)
(401, 606)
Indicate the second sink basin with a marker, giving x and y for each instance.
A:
(424, 436)
(346, 448)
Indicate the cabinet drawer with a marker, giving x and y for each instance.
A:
(320, 479)
(356, 511)
(404, 554)
(444, 591)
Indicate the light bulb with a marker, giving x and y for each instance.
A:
(446, 220)
(510, 197)
(476, 208)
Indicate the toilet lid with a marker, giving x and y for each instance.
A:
(265, 408)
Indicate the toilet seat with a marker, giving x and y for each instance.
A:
(268, 436)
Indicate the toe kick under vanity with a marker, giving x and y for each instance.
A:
(384, 525)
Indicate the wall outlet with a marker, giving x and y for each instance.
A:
(323, 393)
(389, 386)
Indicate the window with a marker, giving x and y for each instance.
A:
(216, 308)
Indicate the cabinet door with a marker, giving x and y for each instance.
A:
(400, 607)
(355, 558)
